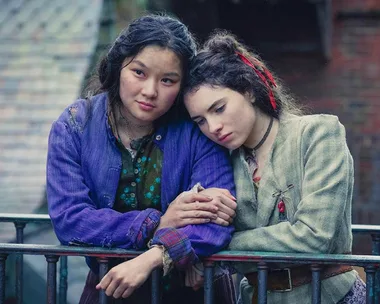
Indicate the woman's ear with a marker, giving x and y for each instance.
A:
(250, 97)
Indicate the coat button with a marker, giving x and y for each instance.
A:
(158, 137)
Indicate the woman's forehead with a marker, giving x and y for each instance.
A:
(156, 57)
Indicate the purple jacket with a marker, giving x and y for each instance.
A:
(83, 170)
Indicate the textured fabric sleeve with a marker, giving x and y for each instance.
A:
(211, 168)
(177, 245)
(326, 189)
(193, 159)
(76, 218)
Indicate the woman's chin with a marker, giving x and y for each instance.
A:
(230, 145)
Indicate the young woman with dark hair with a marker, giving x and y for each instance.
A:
(123, 171)
(293, 172)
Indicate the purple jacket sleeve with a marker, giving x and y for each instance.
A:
(77, 219)
(212, 168)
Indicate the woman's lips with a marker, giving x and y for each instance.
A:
(145, 106)
(224, 138)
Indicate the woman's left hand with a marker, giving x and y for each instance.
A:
(123, 279)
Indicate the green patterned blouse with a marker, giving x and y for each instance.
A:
(140, 178)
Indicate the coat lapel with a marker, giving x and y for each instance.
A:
(267, 202)
(247, 205)
(272, 182)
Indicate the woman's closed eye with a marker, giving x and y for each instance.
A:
(200, 121)
(220, 109)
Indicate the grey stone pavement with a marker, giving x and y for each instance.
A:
(45, 50)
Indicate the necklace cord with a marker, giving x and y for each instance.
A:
(265, 135)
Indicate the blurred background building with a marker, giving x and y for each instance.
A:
(326, 51)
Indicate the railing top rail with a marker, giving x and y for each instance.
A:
(299, 258)
(236, 256)
(24, 217)
(374, 229)
(37, 249)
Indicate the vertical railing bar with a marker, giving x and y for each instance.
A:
(19, 263)
(3, 258)
(316, 283)
(370, 284)
(376, 251)
(208, 285)
(63, 275)
(262, 277)
(156, 286)
(103, 269)
(51, 293)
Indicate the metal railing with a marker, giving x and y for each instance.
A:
(54, 253)
(20, 221)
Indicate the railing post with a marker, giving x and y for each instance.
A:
(51, 292)
(103, 269)
(208, 286)
(370, 282)
(316, 283)
(63, 280)
(376, 251)
(19, 263)
(156, 290)
(262, 277)
(3, 258)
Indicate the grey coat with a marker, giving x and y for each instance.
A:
(310, 152)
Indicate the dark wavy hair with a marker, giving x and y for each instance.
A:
(149, 30)
(220, 63)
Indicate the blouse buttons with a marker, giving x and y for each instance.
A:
(133, 184)
(136, 171)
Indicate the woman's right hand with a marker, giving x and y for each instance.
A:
(211, 205)
(189, 209)
(225, 202)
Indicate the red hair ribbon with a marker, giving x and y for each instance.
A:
(262, 77)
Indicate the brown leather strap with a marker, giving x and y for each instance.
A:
(288, 278)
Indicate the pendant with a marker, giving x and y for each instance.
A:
(281, 204)
(282, 211)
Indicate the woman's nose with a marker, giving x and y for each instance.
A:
(150, 88)
(215, 127)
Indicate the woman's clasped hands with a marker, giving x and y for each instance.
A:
(214, 205)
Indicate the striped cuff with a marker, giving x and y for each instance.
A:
(177, 245)
(147, 229)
